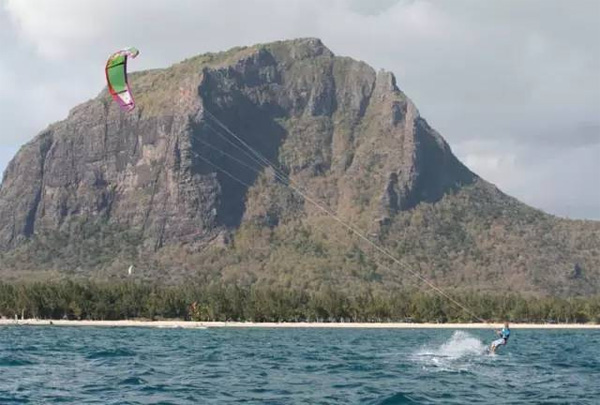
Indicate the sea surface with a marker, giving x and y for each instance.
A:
(96, 365)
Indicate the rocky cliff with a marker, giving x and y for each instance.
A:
(168, 188)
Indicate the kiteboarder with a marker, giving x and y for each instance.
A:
(504, 334)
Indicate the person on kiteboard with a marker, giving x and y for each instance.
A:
(504, 334)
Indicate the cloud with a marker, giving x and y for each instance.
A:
(560, 180)
(513, 86)
(58, 26)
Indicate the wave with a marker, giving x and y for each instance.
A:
(398, 398)
(12, 361)
(109, 353)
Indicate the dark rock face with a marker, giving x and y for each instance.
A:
(100, 164)
(338, 128)
(136, 169)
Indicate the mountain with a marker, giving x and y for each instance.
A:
(169, 189)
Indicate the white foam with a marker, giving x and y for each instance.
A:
(461, 344)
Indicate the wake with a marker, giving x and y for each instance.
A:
(461, 344)
(460, 349)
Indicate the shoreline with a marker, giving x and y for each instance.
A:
(177, 324)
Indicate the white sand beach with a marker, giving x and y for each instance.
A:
(201, 325)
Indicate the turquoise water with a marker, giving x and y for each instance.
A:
(46, 365)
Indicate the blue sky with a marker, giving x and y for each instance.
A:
(513, 86)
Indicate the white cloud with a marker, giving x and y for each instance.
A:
(509, 84)
(564, 181)
(56, 26)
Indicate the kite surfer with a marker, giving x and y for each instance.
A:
(503, 334)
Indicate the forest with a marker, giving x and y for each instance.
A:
(262, 303)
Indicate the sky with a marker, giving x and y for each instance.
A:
(513, 86)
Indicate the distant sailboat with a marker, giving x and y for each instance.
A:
(130, 270)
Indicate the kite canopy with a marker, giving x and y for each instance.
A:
(116, 77)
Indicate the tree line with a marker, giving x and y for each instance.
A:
(262, 303)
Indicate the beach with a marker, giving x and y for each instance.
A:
(339, 325)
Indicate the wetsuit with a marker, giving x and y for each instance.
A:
(504, 335)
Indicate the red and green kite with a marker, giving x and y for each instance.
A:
(116, 77)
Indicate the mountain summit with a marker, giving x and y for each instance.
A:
(167, 187)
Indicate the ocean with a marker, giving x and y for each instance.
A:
(97, 365)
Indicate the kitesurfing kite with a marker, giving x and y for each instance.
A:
(116, 77)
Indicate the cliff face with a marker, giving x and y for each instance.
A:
(140, 186)
(332, 118)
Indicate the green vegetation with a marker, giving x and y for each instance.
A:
(455, 243)
(258, 303)
(98, 242)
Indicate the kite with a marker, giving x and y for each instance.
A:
(116, 77)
